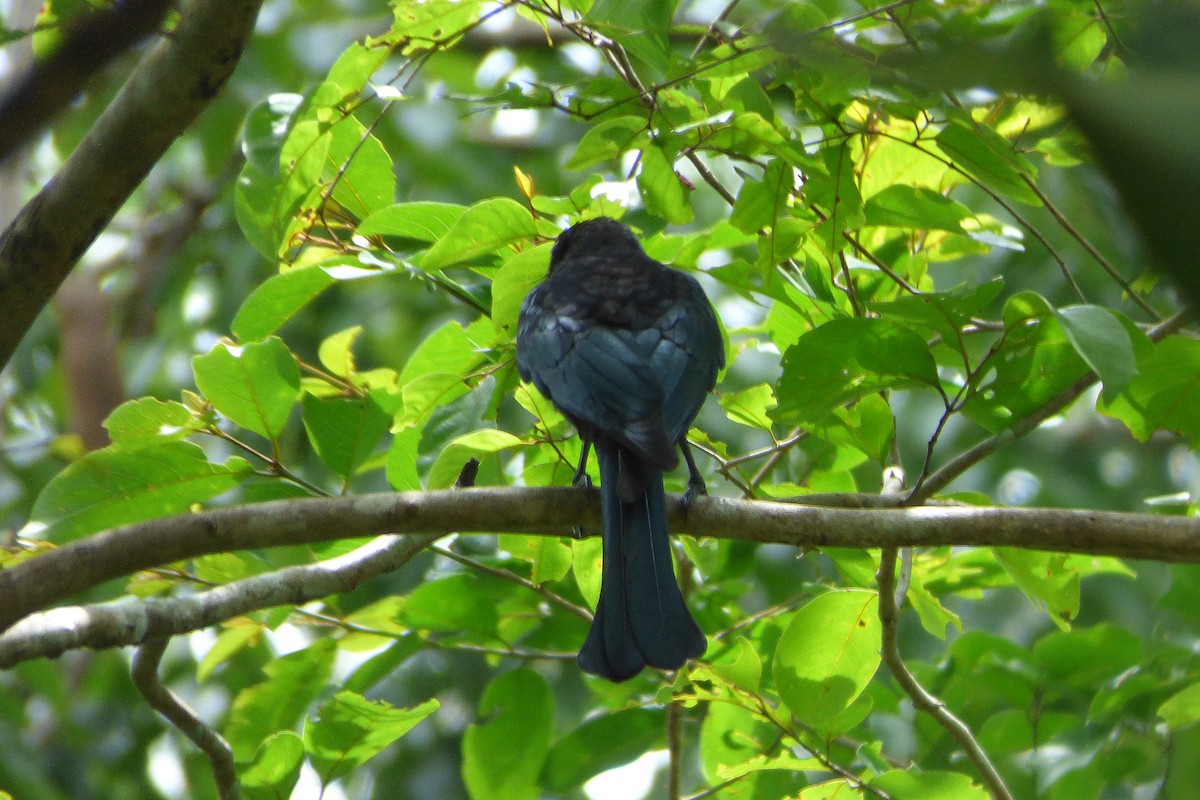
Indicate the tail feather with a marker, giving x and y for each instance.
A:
(641, 617)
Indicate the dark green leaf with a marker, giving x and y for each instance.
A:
(344, 431)
(602, 743)
(846, 359)
(906, 206)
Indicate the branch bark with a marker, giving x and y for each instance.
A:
(51, 633)
(54, 576)
(175, 81)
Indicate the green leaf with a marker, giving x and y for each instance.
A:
(641, 26)
(349, 74)
(344, 430)
(424, 221)
(759, 203)
(275, 769)
(359, 168)
(256, 195)
(599, 744)
(1182, 708)
(1103, 342)
(401, 464)
(1046, 579)
(418, 26)
(451, 604)
(549, 558)
(436, 372)
(476, 444)
(749, 407)
(904, 206)
(279, 702)
(503, 754)
(229, 642)
(112, 487)
(276, 300)
(349, 730)
(662, 190)
(513, 282)
(828, 654)
(917, 785)
(990, 158)
(1035, 363)
(1165, 394)
(847, 359)
(483, 228)
(148, 421)
(255, 386)
(606, 141)
(337, 351)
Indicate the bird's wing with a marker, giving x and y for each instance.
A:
(688, 357)
(607, 378)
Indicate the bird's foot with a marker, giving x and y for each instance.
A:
(695, 488)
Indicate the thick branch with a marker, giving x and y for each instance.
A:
(56, 81)
(176, 80)
(56, 575)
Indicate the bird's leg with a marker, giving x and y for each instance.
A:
(695, 484)
(581, 477)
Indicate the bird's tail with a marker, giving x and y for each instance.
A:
(641, 617)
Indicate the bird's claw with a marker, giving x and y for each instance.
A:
(695, 488)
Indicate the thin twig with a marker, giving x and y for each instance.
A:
(507, 575)
(1086, 244)
(964, 461)
(922, 700)
(167, 703)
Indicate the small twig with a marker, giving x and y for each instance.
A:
(964, 461)
(1086, 244)
(507, 575)
(922, 700)
(167, 703)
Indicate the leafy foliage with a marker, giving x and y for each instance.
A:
(906, 268)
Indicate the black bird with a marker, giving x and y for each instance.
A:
(627, 349)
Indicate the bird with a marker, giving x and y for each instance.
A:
(627, 349)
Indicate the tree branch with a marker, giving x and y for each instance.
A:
(922, 700)
(54, 576)
(167, 703)
(88, 46)
(51, 633)
(175, 81)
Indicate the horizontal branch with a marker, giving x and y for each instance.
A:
(52, 577)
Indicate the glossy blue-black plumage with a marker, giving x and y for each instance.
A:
(627, 349)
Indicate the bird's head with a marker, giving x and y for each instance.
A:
(592, 236)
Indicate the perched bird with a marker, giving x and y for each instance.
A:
(627, 348)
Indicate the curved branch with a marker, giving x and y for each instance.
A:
(49, 578)
(175, 81)
(51, 633)
(165, 702)
(922, 700)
